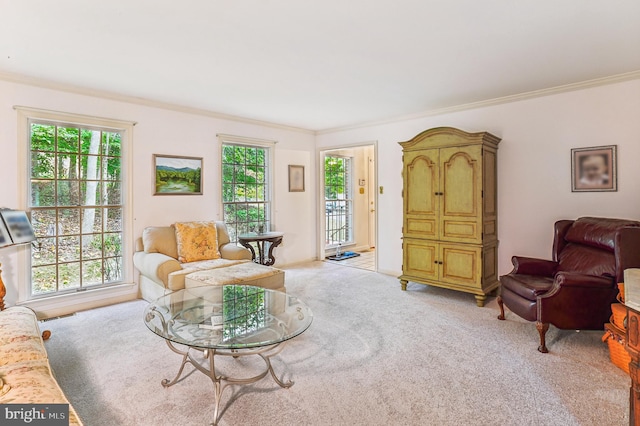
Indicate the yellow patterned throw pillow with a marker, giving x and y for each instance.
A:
(197, 241)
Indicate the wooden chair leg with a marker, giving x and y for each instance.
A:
(501, 304)
(542, 330)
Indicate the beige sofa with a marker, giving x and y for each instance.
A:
(156, 259)
(25, 373)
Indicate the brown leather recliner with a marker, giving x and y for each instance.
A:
(576, 289)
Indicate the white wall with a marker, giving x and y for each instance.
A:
(534, 188)
(295, 211)
(165, 131)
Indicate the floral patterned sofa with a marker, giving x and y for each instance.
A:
(25, 373)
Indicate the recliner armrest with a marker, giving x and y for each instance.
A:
(575, 279)
(532, 266)
(156, 266)
(233, 251)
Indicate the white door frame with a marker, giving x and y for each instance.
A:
(321, 228)
(372, 204)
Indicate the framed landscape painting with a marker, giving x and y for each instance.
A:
(594, 169)
(175, 175)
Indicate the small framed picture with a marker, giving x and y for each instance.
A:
(175, 175)
(296, 178)
(594, 169)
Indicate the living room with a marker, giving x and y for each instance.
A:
(538, 126)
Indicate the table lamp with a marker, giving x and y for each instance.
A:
(15, 229)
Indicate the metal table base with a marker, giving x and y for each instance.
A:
(220, 382)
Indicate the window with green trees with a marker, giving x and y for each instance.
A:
(338, 202)
(245, 188)
(76, 207)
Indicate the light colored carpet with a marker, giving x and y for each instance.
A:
(374, 355)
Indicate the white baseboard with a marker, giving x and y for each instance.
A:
(296, 263)
(65, 304)
(391, 273)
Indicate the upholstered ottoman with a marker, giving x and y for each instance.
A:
(244, 273)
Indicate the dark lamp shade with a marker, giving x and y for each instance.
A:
(15, 228)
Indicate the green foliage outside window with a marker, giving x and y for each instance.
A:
(334, 174)
(76, 207)
(338, 203)
(245, 188)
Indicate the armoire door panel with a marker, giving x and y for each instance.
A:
(422, 183)
(420, 259)
(460, 264)
(459, 229)
(420, 227)
(461, 186)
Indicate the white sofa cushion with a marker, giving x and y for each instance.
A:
(160, 239)
(247, 273)
(176, 279)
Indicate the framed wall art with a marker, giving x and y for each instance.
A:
(296, 178)
(175, 175)
(594, 169)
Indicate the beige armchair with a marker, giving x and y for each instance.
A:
(156, 259)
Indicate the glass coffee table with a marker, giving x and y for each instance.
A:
(229, 321)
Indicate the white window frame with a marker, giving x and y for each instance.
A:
(224, 139)
(28, 115)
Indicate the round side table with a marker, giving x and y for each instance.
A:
(264, 256)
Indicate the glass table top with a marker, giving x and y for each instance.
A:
(227, 317)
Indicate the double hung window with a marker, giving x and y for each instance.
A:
(75, 185)
(246, 188)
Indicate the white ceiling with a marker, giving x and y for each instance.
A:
(319, 64)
